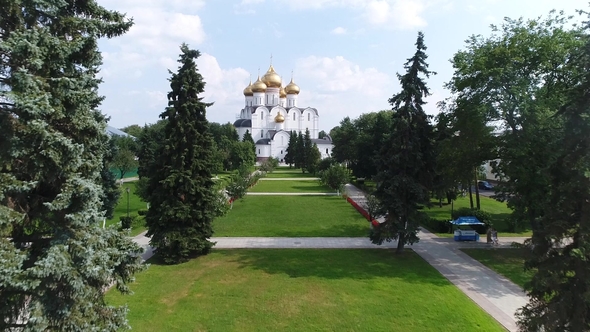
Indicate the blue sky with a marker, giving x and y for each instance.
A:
(344, 54)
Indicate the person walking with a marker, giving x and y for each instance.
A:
(494, 237)
(489, 236)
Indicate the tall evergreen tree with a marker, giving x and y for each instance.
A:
(291, 148)
(248, 138)
(307, 151)
(55, 259)
(181, 191)
(406, 167)
(300, 152)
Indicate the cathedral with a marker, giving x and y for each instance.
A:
(271, 113)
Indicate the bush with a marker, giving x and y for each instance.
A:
(127, 222)
(142, 212)
(436, 225)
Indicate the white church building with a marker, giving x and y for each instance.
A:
(271, 113)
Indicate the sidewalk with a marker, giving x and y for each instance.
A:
(495, 294)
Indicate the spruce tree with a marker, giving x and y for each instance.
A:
(308, 152)
(300, 153)
(290, 156)
(181, 191)
(55, 258)
(406, 164)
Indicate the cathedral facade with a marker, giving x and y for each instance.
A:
(271, 113)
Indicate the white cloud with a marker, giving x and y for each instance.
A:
(338, 31)
(337, 87)
(397, 14)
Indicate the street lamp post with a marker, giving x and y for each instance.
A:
(128, 202)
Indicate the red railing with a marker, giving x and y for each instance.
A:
(362, 211)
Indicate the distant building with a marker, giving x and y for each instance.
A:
(112, 131)
(271, 113)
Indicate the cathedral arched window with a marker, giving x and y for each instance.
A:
(262, 133)
(308, 116)
(293, 116)
(261, 115)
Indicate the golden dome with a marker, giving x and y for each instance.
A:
(279, 118)
(258, 86)
(282, 93)
(292, 88)
(271, 78)
(248, 90)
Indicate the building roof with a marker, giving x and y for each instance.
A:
(265, 141)
(326, 140)
(112, 131)
(243, 123)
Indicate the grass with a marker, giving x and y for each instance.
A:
(508, 262)
(290, 186)
(499, 211)
(288, 216)
(135, 204)
(290, 175)
(300, 290)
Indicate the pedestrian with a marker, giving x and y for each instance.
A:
(494, 237)
(489, 235)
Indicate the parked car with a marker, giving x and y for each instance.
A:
(485, 185)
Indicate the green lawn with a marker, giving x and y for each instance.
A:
(292, 216)
(135, 204)
(290, 175)
(508, 262)
(499, 211)
(289, 186)
(300, 290)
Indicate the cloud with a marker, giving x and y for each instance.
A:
(337, 87)
(338, 31)
(396, 14)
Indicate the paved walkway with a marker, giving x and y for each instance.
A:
(495, 294)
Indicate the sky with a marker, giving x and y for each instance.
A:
(343, 54)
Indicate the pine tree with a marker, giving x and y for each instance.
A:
(55, 258)
(406, 166)
(182, 195)
(307, 151)
(290, 155)
(313, 159)
(300, 152)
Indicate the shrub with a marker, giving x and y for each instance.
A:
(436, 225)
(142, 212)
(127, 222)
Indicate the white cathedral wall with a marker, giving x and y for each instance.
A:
(263, 150)
(325, 150)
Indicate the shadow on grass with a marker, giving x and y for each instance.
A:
(358, 264)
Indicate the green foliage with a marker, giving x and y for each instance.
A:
(374, 207)
(335, 177)
(111, 192)
(56, 261)
(269, 165)
(248, 138)
(299, 155)
(481, 215)
(326, 163)
(181, 192)
(291, 149)
(358, 142)
(148, 144)
(313, 159)
(322, 134)
(133, 130)
(436, 225)
(127, 222)
(124, 158)
(406, 166)
(242, 155)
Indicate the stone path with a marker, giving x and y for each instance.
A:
(495, 294)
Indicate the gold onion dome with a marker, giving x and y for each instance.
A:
(282, 93)
(279, 118)
(258, 86)
(248, 90)
(292, 88)
(271, 78)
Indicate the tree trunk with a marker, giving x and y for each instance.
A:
(400, 243)
(470, 195)
(476, 191)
